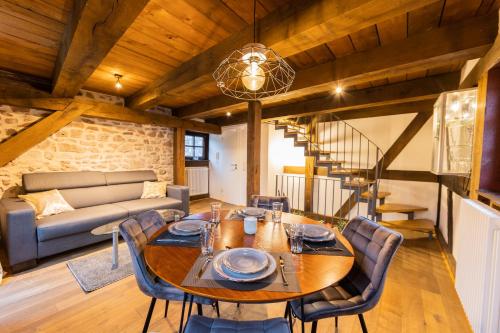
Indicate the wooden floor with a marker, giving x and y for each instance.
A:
(418, 297)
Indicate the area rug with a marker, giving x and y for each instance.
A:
(94, 271)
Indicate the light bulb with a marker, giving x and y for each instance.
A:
(118, 84)
(455, 106)
(253, 77)
(228, 114)
(339, 90)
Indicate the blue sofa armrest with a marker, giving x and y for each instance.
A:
(18, 227)
(181, 193)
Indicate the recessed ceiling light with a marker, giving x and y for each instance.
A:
(228, 114)
(338, 90)
(118, 84)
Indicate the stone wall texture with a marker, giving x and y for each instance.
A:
(86, 144)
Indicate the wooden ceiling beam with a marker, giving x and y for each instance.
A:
(21, 142)
(352, 102)
(288, 30)
(94, 28)
(490, 59)
(467, 39)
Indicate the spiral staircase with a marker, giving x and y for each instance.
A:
(342, 152)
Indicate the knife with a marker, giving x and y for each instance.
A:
(282, 267)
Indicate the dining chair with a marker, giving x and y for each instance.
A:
(266, 202)
(199, 324)
(374, 247)
(136, 231)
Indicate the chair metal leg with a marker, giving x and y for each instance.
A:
(238, 305)
(148, 317)
(200, 309)
(287, 310)
(362, 322)
(302, 315)
(166, 308)
(190, 308)
(314, 326)
(336, 322)
(290, 317)
(217, 308)
(182, 312)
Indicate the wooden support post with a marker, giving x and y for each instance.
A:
(477, 146)
(309, 184)
(179, 157)
(253, 148)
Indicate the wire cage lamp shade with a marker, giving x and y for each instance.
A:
(253, 72)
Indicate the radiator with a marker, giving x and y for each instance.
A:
(197, 180)
(478, 265)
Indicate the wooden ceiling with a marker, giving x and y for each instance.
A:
(169, 33)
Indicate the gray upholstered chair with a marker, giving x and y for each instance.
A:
(136, 231)
(266, 202)
(374, 247)
(198, 324)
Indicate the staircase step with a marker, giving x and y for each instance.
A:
(380, 195)
(357, 183)
(422, 225)
(399, 208)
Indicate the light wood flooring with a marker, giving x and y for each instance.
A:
(418, 297)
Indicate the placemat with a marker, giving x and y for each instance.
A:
(169, 239)
(324, 248)
(274, 282)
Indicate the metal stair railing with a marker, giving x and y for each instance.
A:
(358, 164)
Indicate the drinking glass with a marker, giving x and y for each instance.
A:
(296, 238)
(207, 239)
(215, 209)
(277, 210)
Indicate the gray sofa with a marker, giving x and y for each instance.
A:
(98, 198)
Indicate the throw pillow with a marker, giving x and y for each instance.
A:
(154, 190)
(47, 203)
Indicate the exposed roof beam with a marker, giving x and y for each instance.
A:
(464, 40)
(397, 98)
(288, 31)
(94, 28)
(490, 59)
(24, 94)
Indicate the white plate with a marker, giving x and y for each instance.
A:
(186, 228)
(315, 231)
(245, 260)
(254, 211)
(235, 277)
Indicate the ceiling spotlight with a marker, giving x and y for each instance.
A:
(118, 84)
(228, 114)
(338, 90)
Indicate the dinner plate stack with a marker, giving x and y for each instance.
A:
(244, 264)
(187, 227)
(253, 211)
(317, 233)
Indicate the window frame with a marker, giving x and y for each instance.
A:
(204, 136)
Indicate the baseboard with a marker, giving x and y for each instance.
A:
(199, 196)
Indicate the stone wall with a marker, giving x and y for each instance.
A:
(86, 144)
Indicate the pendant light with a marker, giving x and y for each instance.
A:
(253, 71)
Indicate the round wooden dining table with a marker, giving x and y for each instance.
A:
(314, 271)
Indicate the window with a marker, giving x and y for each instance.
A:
(196, 146)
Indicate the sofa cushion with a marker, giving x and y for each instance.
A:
(100, 195)
(78, 220)
(44, 181)
(141, 205)
(127, 177)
